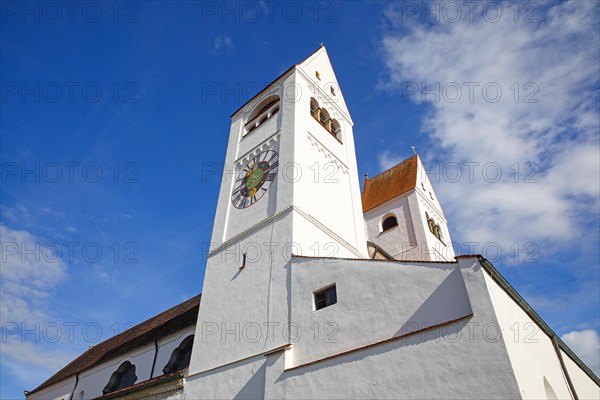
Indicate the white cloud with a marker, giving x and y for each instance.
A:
(387, 159)
(586, 344)
(554, 62)
(30, 270)
(30, 364)
(222, 44)
(17, 214)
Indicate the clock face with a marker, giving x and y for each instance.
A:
(254, 179)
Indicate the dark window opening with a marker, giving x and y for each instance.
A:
(262, 113)
(122, 378)
(325, 297)
(180, 358)
(323, 117)
(389, 223)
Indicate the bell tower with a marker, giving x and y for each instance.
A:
(290, 186)
(404, 216)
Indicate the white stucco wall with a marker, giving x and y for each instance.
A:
(376, 301)
(59, 391)
(584, 386)
(463, 359)
(401, 241)
(532, 354)
(330, 189)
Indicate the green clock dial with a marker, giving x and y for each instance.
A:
(254, 179)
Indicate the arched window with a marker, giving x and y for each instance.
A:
(336, 129)
(123, 377)
(389, 222)
(314, 108)
(433, 227)
(180, 357)
(323, 117)
(262, 112)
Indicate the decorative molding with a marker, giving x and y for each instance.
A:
(164, 393)
(431, 207)
(262, 146)
(328, 154)
(249, 231)
(328, 231)
(285, 347)
(277, 216)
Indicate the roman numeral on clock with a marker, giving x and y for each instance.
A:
(254, 179)
(236, 199)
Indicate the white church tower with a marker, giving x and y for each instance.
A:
(305, 296)
(290, 186)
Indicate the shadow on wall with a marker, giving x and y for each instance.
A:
(448, 302)
(255, 387)
(369, 352)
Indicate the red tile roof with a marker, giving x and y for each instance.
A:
(165, 323)
(389, 184)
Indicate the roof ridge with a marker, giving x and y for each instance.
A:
(391, 168)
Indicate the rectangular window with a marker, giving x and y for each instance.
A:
(325, 297)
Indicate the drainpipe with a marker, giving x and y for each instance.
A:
(562, 365)
(74, 387)
(154, 360)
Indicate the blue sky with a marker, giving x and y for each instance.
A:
(113, 115)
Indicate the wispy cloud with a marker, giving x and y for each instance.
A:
(30, 270)
(223, 44)
(547, 116)
(586, 344)
(18, 214)
(387, 159)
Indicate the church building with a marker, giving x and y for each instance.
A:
(318, 285)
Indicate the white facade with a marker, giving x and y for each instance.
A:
(443, 327)
(398, 329)
(411, 330)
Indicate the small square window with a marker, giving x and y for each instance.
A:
(325, 297)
